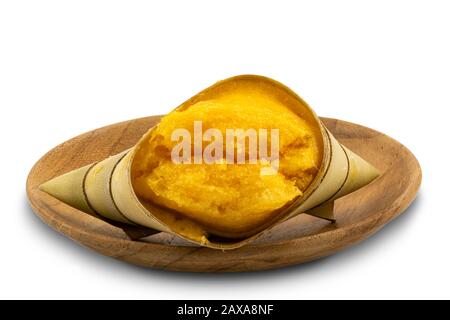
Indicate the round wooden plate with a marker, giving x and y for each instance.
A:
(303, 238)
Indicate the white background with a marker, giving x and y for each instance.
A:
(69, 67)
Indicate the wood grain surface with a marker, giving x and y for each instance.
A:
(303, 238)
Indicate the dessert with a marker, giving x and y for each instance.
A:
(221, 169)
(228, 198)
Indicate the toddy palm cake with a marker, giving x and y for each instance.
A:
(224, 196)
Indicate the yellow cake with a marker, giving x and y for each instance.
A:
(226, 198)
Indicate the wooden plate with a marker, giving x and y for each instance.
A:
(298, 240)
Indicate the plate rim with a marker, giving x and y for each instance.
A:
(371, 223)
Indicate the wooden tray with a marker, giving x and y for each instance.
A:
(303, 238)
